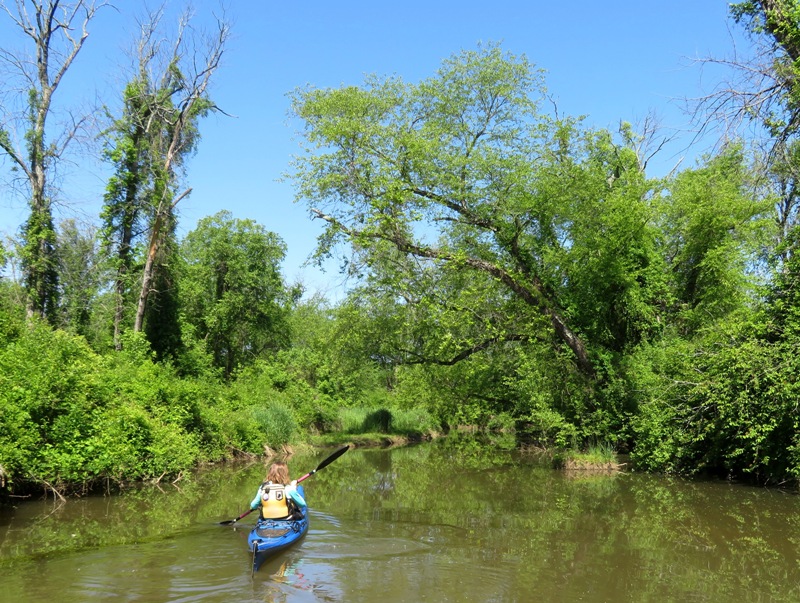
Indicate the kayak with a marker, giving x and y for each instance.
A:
(270, 536)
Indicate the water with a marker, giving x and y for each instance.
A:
(447, 521)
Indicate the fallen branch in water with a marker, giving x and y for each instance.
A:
(53, 489)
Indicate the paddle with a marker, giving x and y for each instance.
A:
(322, 465)
(233, 521)
(326, 462)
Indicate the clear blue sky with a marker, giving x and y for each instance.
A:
(610, 61)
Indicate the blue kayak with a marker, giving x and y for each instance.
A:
(270, 536)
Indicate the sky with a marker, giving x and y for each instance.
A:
(610, 61)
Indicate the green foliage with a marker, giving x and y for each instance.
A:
(69, 417)
(47, 392)
(713, 232)
(385, 421)
(82, 275)
(161, 322)
(232, 290)
(40, 261)
(311, 409)
(449, 158)
(615, 273)
(725, 405)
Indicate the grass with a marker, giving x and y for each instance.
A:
(365, 426)
(598, 457)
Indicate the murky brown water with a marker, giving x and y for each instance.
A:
(448, 521)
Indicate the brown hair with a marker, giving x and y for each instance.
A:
(278, 473)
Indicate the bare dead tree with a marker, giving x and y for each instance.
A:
(57, 31)
(758, 99)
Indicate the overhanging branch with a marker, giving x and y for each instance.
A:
(533, 295)
(465, 353)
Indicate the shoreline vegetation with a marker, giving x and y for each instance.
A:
(513, 269)
(593, 460)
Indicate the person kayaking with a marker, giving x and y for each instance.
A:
(279, 497)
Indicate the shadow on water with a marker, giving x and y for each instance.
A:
(451, 520)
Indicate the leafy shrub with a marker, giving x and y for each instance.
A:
(275, 422)
(379, 420)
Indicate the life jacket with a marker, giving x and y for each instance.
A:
(274, 501)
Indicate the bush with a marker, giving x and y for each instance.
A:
(275, 422)
(69, 417)
(378, 421)
(407, 422)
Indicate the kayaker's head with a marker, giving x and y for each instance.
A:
(278, 473)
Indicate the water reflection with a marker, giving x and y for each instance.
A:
(450, 521)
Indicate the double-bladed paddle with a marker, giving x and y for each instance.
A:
(322, 465)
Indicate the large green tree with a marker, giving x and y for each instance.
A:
(464, 175)
(234, 298)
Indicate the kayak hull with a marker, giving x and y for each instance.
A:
(271, 536)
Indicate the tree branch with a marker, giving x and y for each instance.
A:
(534, 297)
(466, 353)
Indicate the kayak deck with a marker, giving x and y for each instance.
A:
(271, 536)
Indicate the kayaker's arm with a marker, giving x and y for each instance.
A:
(295, 495)
(256, 501)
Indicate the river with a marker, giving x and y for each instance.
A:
(452, 520)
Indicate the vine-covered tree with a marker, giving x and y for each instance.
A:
(148, 145)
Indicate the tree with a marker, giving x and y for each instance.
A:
(771, 95)
(763, 92)
(124, 208)
(233, 294)
(82, 273)
(463, 174)
(714, 231)
(58, 31)
(148, 145)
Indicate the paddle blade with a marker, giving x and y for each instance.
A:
(332, 457)
(326, 462)
(232, 521)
